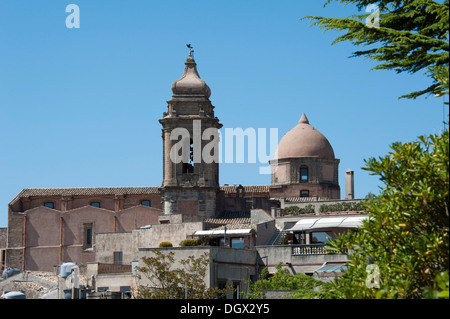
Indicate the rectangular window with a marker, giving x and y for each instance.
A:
(126, 292)
(2, 258)
(320, 237)
(118, 257)
(237, 243)
(88, 234)
(303, 174)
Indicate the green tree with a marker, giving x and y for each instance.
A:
(412, 36)
(302, 286)
(441, 75)
(406, 238)
(168, 283)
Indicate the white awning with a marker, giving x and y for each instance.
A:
(221, 232)
(331, 268)
(328, 222)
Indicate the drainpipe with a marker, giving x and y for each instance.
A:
(60, 239)
(24, 241)
(225, 236)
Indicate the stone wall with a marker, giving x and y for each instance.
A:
(129, 243)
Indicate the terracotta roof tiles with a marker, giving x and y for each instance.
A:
(135, 190)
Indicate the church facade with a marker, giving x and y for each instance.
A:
(49, 226)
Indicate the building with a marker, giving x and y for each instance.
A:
(190, 183)
(47, 227)
(118, 225)
(304, 165)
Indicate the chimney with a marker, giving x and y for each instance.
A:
(349, 184)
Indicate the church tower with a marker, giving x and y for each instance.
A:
(190, 136)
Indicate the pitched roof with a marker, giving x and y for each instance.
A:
(227, 218)
(132, 190)
(85, 191)
(305, 199)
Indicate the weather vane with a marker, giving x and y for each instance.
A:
(191, 49)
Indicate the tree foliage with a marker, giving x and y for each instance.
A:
(412, 36)
(301, 286)
(340, 207)
(407, 234)
(169, 283)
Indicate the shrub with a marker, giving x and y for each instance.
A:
(189, 242)
(294, 210)
(339, 207)
(165, 244)
(301, 285)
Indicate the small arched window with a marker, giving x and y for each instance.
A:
(50, 205)
(304, 193)
(304, 173)
(95, 204)
(146, 203)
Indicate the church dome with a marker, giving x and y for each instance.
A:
(304, 141)
(190, 83)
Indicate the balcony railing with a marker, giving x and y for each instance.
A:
(312, 249)
(113, 268)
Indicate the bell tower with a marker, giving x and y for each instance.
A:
(190, 134)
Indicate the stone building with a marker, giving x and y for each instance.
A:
(190, 181)
(113, 225)
(49, 226)
(304, 165)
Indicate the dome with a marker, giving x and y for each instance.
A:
(304, 141)
(190, 83)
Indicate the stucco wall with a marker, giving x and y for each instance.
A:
(52, 236)
(129, 243)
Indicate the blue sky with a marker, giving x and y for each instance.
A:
(80, 107)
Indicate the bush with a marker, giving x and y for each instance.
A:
(165, 244)
(189, 242)
(340, 207)
(294, 210)
(159, 272)
(301, 285)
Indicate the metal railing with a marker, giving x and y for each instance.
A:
(113, 268)
(312, 249)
